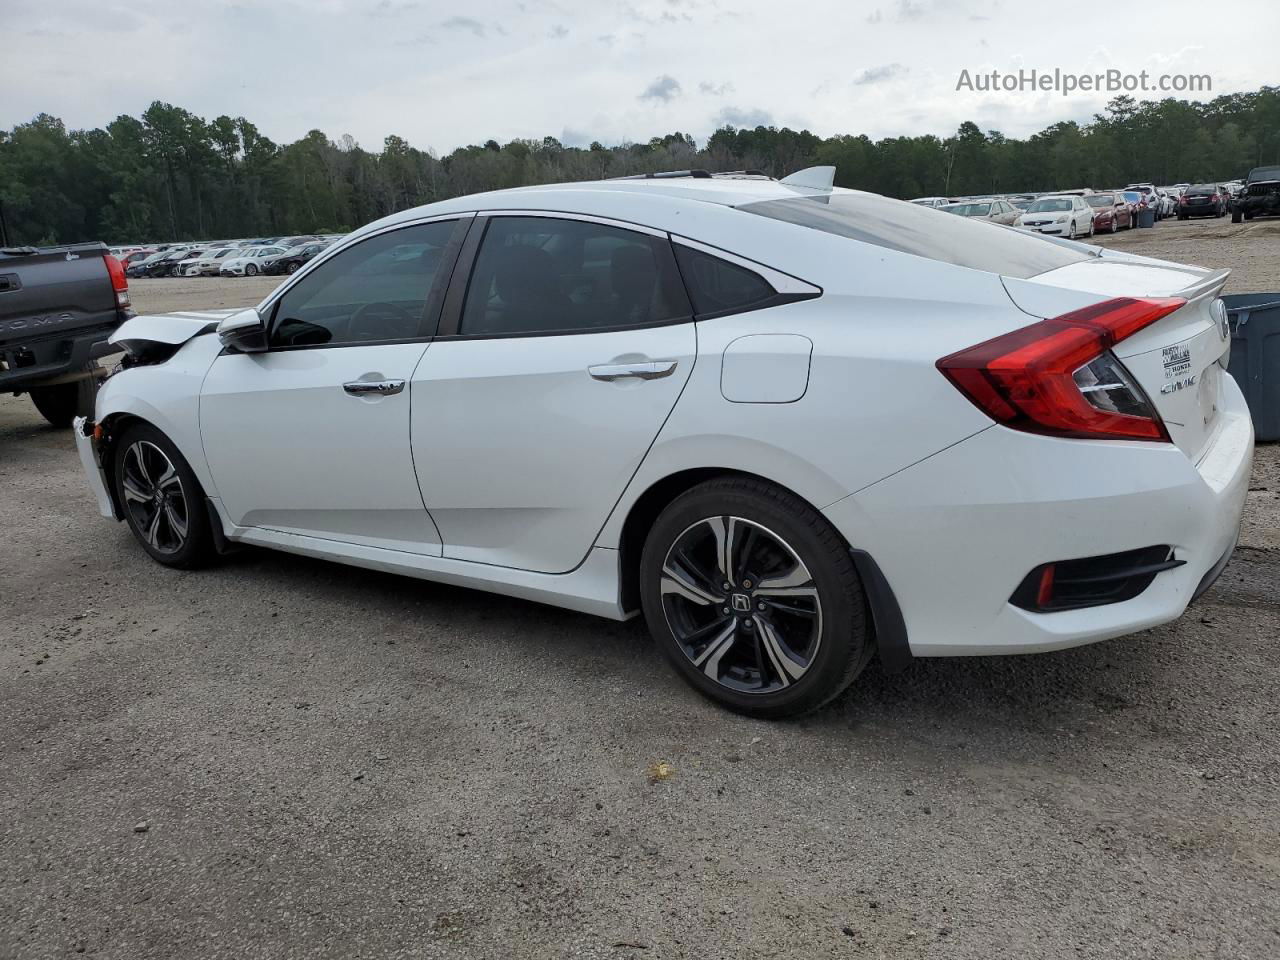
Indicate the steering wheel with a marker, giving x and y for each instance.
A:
(382, 321)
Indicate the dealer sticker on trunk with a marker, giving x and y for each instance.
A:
(1177, 369)
(1177, 361)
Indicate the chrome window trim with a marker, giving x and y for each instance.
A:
(267, 305)
(585, 217)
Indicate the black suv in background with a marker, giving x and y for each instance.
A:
(1260, 196)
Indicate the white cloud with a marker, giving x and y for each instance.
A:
(442, 76)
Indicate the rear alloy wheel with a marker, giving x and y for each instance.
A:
(251, 270)
(162, 499)
(754, 598)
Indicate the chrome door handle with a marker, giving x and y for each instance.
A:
(647, 370)
(380, 388)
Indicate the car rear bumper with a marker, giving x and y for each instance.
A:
(955, 534)
(87, 448)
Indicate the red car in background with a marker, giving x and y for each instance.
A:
(134, 257)
(1111, 211)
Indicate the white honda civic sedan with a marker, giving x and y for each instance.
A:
(794, 426)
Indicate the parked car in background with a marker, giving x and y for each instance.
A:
(138, 266)
(996, 211)
(248, 263)
(58, 307)
(173, 264)
(137, 256)
(211, 261)
(1203, 200)
(1260, 196)
(292, 260)
(1137, 202)
(1066, 216)
(1110, 212)
(1151, 199)
(931, 201)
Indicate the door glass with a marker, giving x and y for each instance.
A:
(373, 291)
(718, 286)
(546, 275)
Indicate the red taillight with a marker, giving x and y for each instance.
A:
(1028, 379)
(119, 282)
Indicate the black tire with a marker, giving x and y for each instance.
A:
(1182, 216)
(293, 267)
(251, 270)
(61, 403)
(1115, 225)
(1071, 231)
(838, 642)
(185, 500)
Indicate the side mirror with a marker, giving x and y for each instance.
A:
(244, 332)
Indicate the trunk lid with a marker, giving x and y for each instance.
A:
(1179, 360)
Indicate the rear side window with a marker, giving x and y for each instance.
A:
(539, 275)
(921, 232)
(717, 286)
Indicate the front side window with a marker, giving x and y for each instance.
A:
(537, 275)
(375, 290)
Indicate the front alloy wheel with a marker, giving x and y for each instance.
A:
(741, 604)
(154, 497)
(160, 497)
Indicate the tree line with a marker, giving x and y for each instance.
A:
(171, 175)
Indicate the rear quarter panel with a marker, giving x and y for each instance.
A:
(875, 402)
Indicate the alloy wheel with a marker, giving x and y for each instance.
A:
(154, 497)
(741, 604)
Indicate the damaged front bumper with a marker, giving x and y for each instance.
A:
(87, 446)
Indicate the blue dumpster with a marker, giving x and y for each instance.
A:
(1255, 357)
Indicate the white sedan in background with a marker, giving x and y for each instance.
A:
(795, 425)
(1059, 216)
(211, 262)
(248, 263)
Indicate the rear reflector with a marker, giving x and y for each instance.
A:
(1092, 581)
(1058, 377)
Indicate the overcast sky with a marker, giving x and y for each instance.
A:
(446, 74)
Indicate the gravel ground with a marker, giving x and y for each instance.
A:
(285, 758)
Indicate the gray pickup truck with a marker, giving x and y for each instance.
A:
(58, 305)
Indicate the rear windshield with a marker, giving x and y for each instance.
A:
(921, 232)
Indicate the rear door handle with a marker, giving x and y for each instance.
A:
(377, 388)
(645, 370)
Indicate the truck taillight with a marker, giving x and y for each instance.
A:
(119, 282)
(1059, 376)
